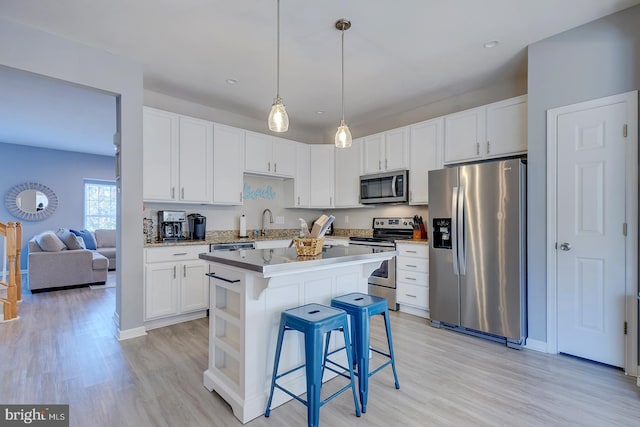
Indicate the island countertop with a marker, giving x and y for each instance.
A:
(271, 262)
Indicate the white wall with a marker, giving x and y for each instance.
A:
(32, 50)
(598, 59)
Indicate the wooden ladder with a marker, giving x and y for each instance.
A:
(12, 233)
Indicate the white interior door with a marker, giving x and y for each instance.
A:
(591, 201)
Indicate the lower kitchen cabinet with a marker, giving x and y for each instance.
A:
(176, 287)
(412, 278)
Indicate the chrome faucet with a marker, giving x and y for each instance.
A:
(263, 232)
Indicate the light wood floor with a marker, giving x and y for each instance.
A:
(63, 350)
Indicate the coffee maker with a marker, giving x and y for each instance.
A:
(197, 226)
(170, 224)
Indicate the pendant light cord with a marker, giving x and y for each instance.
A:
(342, 72)
(278, 55)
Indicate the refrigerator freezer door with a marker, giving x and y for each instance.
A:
(443, 282)
(491, 289)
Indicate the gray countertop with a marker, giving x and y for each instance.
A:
(279, 261)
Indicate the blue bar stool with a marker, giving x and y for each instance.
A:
(314, 321)
(361, 307)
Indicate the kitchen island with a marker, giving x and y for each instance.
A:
(248, 291)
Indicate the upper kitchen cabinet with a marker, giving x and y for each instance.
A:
(228, 161)
(425, 154)
(494, 130)
(321, 175)
(268, 155)
(298, 187)
(464, 135)
(507, 127)
(386, 151)
(177, 158)
(348, 170)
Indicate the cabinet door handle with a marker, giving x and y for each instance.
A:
(411, 278)
(179, 254)
(182, 193)
(173, 192)
(386, 164)
(411, 252)
(412, 266)
(330, 201)
(412, 296)
(213, 275)
(275, 168)
(241, 197)
(268, 166)
(379, 164)
(477, 148)
(174, 271)
(184, 271)
(298, 200)
(488, 147)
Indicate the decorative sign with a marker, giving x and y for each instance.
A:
(258, 193)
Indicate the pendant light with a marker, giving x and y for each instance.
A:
(278, 118)
(343, 135)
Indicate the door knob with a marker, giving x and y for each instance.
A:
(565, 246)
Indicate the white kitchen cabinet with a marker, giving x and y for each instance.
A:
(176, 287)
(426, 143)
(507, 127)
(268, 155)
(348, 165)
(228, 160)
(321, 175)
(386, 151)
(273, 244)
(491, 131)
(177, 158)
(464, 135)
(300, 182)
(412, 278)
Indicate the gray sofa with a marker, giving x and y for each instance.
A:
(55, 263)
(106, 245)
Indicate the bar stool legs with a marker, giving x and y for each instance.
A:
(314, 321)
(361, 307)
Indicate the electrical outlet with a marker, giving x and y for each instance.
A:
(279, 220)
(346, 219)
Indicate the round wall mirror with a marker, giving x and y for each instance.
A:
(31, 201)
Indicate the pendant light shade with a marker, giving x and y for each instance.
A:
(278, 117)
(343, 135)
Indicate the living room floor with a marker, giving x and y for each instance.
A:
(62, 350)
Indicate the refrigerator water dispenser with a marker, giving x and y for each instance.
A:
(441, 233)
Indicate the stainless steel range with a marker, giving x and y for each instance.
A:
(386, 231)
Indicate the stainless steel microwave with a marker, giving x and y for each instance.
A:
(386, 187)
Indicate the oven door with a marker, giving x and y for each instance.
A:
(382, 282)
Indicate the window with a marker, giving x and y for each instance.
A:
(99, 205)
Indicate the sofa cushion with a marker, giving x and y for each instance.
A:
(100, 262)
(89, 241)
(49, 242)
(68, 238)
(105, 238)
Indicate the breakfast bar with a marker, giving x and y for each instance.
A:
(248, 291)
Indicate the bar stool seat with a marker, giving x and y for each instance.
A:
(361, 307)
(314, 321)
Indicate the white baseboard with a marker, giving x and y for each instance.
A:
(536, 345)
(172, 320)
(131, 333)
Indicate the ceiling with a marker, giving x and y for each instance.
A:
(398, 55)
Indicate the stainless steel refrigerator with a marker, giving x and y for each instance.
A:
(477, 250)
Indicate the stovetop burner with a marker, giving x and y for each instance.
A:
(386, 230)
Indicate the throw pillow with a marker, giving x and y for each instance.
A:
(80, 241)
(89, 241)
(49, 242)
(68, 238)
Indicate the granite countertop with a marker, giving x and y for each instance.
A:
(414, 241)
(232, 237)
(279, 261)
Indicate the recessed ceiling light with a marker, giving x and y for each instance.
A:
(320, 112)
(231, 81)
(492, 43)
